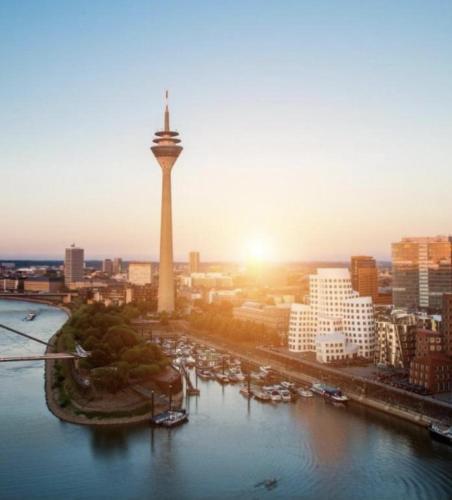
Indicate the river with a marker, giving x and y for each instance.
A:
(230, 445)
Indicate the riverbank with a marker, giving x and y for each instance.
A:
(252, 356)
(75, 405)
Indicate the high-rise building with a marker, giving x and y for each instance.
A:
(334, 308)
(364, 276)
(107, 266)
(422, 272)
(140, 273)
(447, 323)
(73, 265)
(166, 151)
(117, 265)
(193, 259)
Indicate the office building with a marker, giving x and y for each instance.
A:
(364, 275)
(117, 265)
(207, 280)
(43, 284)
(107, 267)
(140, 273)
(431, 368)
(422, 272)
(275, 318)
(334, 308)
(447, 323)
(166, 151)
(193, 262)
(73, 265)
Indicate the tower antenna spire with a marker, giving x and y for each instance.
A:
(167, 126)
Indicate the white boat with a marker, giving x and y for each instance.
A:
(305, 393)
(275, 396)
(285, 396)
(262, 396)
(318, 388)
(287, 385)
(334, 394)
(330, 393)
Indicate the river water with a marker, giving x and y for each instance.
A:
(230, 445)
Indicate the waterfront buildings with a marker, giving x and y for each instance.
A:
(395, 339)
(422, 272)
(166, 150)
(193, 262)
(73, 265)
(431, 368)
(364, 275)
(396, 329)
(433, 373)
(107, 267)
(334, 309)
(140, 273)
(275, 318)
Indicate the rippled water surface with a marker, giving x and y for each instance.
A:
(230, 445)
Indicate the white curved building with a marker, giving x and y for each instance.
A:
(333, 309)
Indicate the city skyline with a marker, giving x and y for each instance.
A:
(317, 142)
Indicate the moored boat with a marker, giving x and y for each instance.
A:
(318, 388)
(334, 394)
(262, 396)
(170, 418)
(285, 396)
(275, 396)
(441, 432)
(305, 393)
(245, 392)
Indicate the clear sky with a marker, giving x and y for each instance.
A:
(320, 129)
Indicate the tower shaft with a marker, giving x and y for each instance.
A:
(166, 295)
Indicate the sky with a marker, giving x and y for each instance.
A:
(311, 130)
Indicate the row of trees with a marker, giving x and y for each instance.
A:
(229, 328)
(117, 354)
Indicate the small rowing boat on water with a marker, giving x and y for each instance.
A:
(305, 393)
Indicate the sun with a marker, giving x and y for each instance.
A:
(258, 249)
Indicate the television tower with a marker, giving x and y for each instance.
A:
(166, 151)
